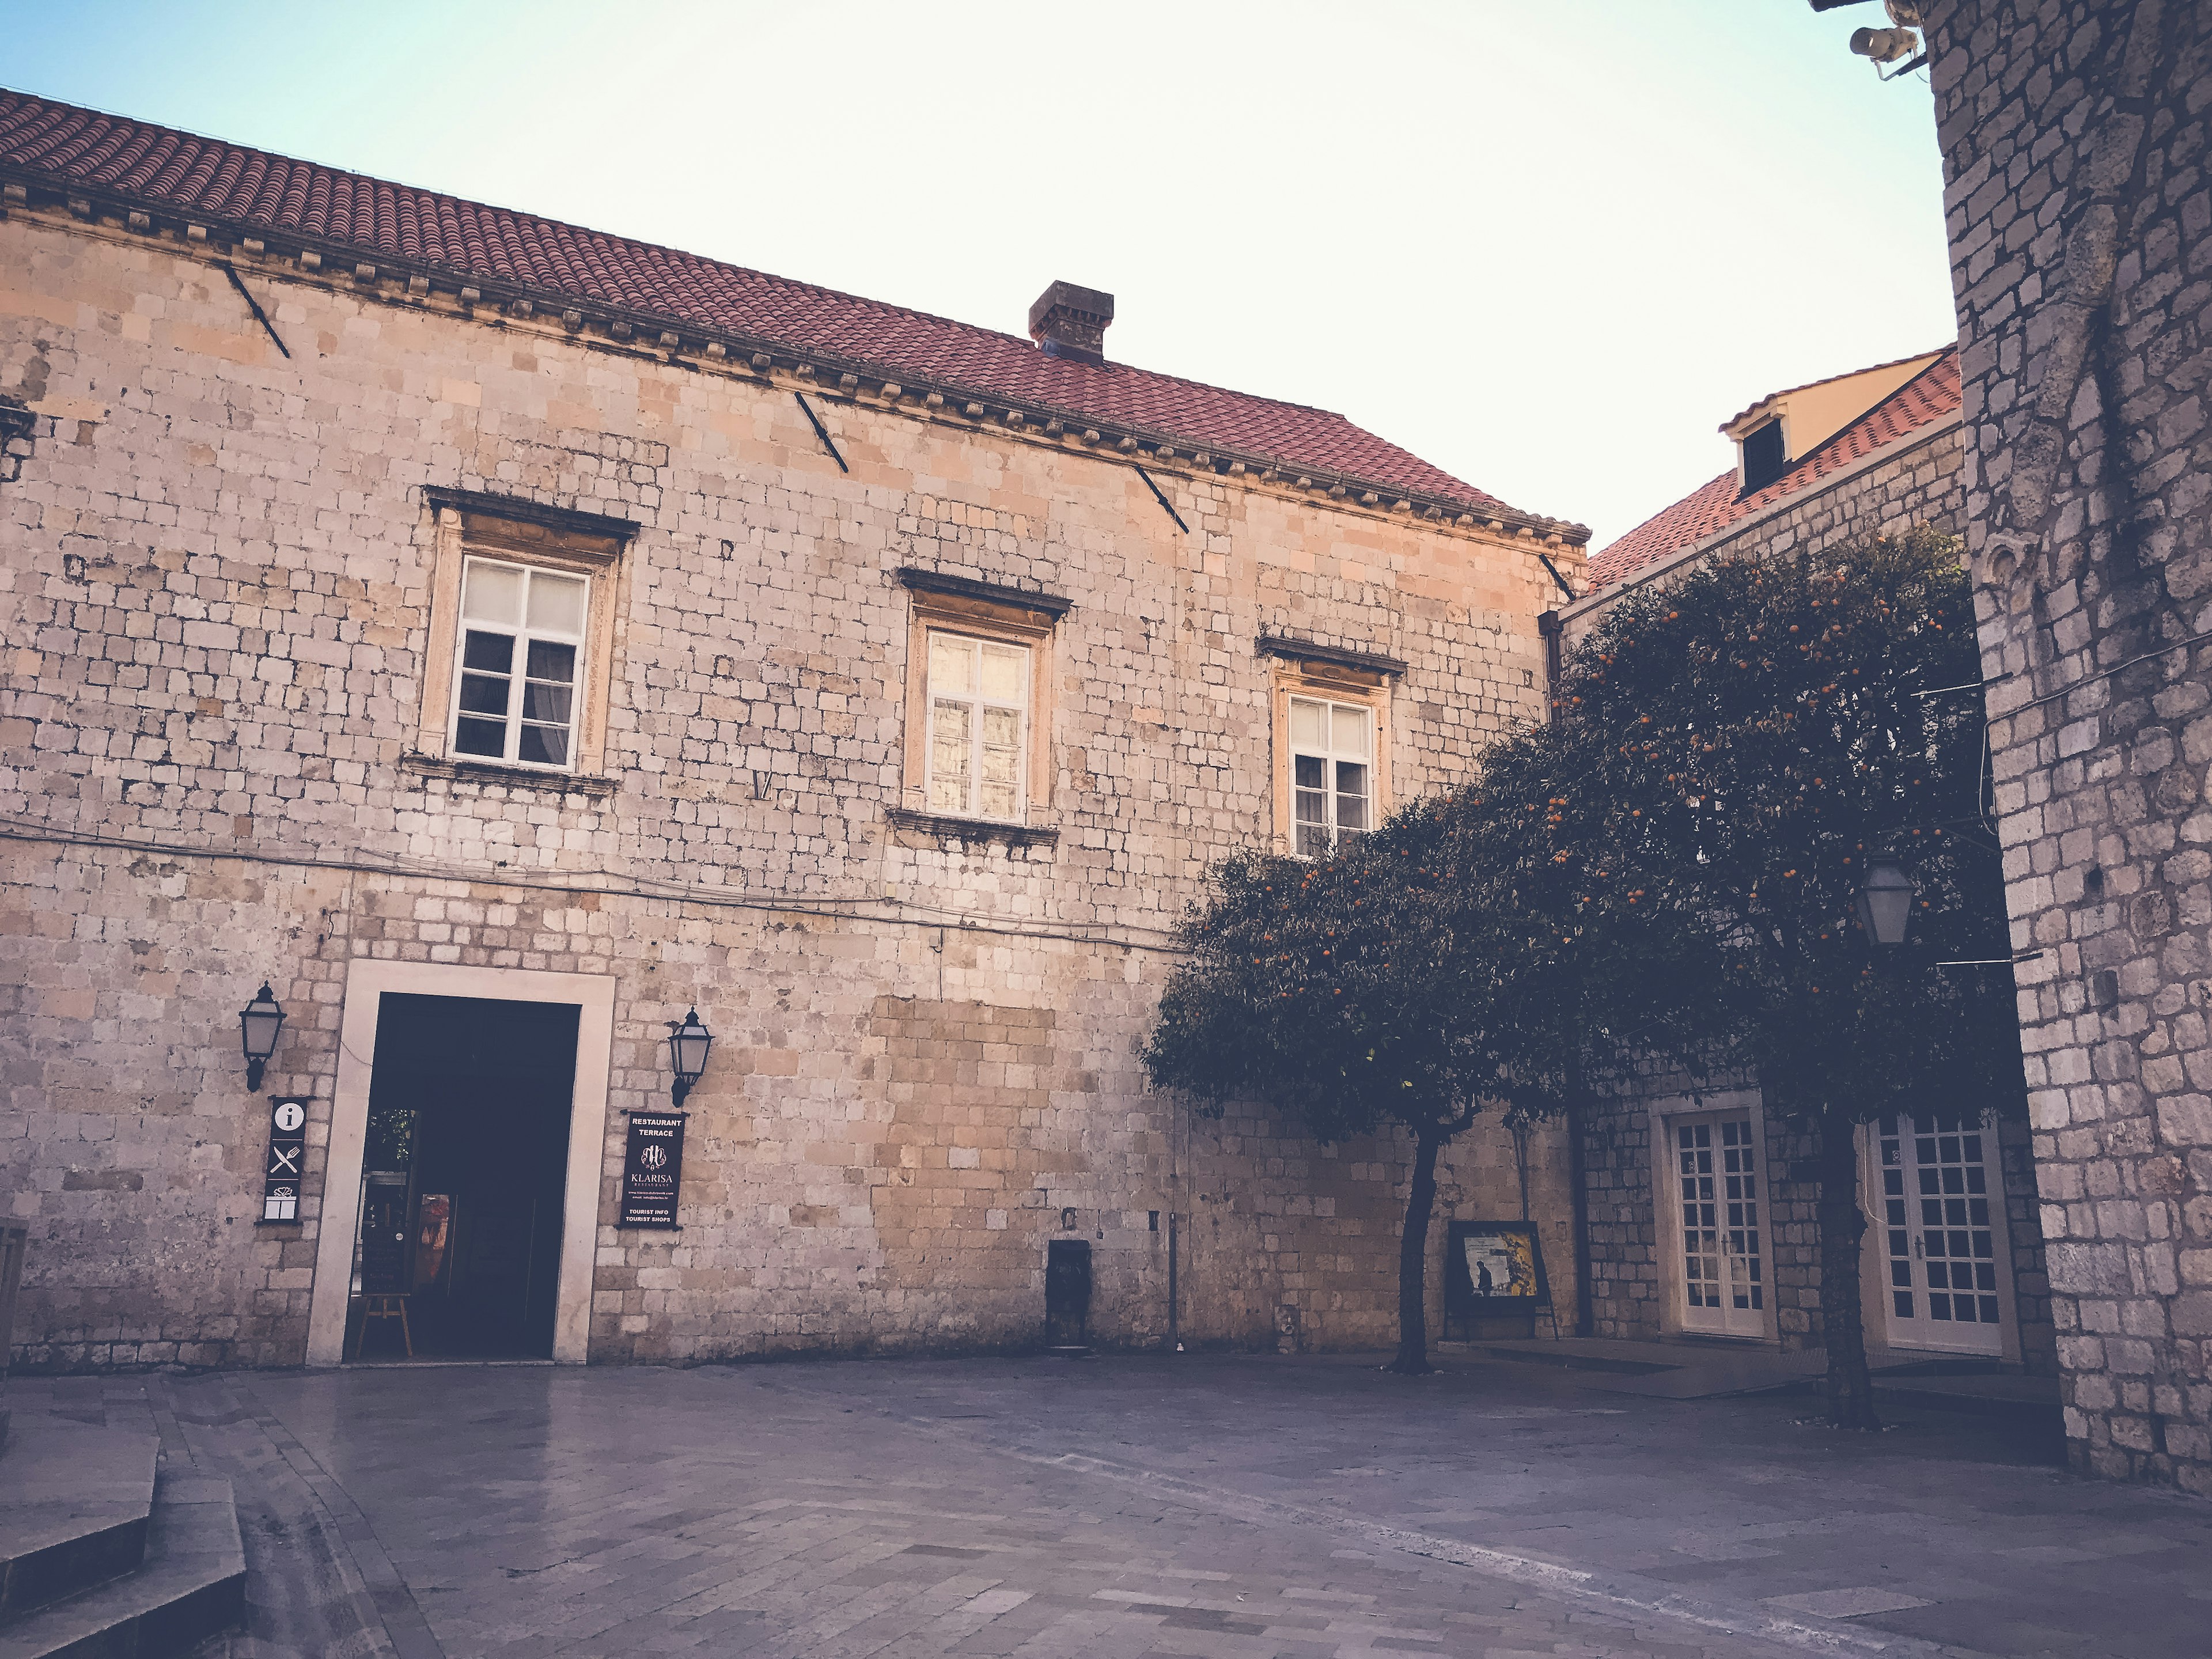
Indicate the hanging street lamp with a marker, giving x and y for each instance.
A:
(258, 1022)
(688, 1043)
(1886, 900)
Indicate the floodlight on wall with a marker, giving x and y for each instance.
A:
(1886, 901)
(258, 1023)
(1885, 46)
(688, 1043)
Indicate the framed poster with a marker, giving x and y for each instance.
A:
(653, 1170)
(1495, 1267)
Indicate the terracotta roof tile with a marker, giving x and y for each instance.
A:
(1926, 397)
(180, 172)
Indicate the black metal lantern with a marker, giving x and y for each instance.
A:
(1886, 901)
(258, 1023)
(688, 1043)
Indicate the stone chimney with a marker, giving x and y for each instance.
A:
(1067, 321)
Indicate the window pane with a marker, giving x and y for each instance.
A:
(543, 746)
(951, 663)
(493, 593)
(1312, 841)
(550, 660)
(1349, 735)
(483, 694)
(1309, 772)
(494, 652)
(473, 737)
(1000, 795)
(542, 702)
(948, 757)
(1312, 806)
(1308, 724)
(1005, 667)
(1351, 796)
(557, 602)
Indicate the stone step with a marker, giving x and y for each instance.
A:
(191, 1585)
(74, 1506)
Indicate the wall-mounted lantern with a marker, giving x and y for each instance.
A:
(258, 1023)
(1886, 901)
(688, 1043)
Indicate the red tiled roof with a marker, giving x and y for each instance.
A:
(178, 172)
(1926, 397)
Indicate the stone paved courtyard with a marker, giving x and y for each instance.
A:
(1138, 1506)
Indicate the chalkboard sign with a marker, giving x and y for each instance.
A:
(384, 1235)
(653, 1169)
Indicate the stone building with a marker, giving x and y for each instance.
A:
(503, 639)
(1875, 451)
(2075, 148)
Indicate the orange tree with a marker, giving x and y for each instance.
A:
(1390, 985)
(1725, 757)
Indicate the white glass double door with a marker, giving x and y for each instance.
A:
(1940, 1231)
(1719, 1200)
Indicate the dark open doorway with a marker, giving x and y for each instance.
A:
(459, 1249)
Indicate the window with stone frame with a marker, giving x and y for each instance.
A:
(519, 664)
(979, 696)
(1332, 760)
(979, 701)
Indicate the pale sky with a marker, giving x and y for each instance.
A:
(1548, 246)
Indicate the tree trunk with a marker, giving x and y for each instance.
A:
(1850, 1391)
(1412, 1358)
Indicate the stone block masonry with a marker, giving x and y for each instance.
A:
(217, 580)
(2074, 144)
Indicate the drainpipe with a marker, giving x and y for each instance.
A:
(1578, 1199)
(1175, 1339)
(1550, 625)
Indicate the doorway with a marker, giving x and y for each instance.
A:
(1943, 1238)
(464, 1158)
(1719, 1194)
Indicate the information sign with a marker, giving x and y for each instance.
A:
(653, 1169)
(287, 1159)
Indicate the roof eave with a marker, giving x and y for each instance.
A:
(836, 373)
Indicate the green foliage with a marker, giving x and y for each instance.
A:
(1727, 753)
(1387, 984)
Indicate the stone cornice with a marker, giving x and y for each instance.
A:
(967, 587)
(1297, 650)
(562, 518)
(294, 256)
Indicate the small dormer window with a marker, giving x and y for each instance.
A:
(1763, 457)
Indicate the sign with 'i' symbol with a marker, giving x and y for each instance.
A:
(287, 1159)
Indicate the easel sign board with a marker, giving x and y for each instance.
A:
(1496, 1268)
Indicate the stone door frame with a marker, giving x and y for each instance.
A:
(367, 982)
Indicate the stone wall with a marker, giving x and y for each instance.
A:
(2074, 139)
(215, 582)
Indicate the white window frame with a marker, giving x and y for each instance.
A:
(522, 634)
(1660, 1121)
(977, 702)
(1331, 757)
